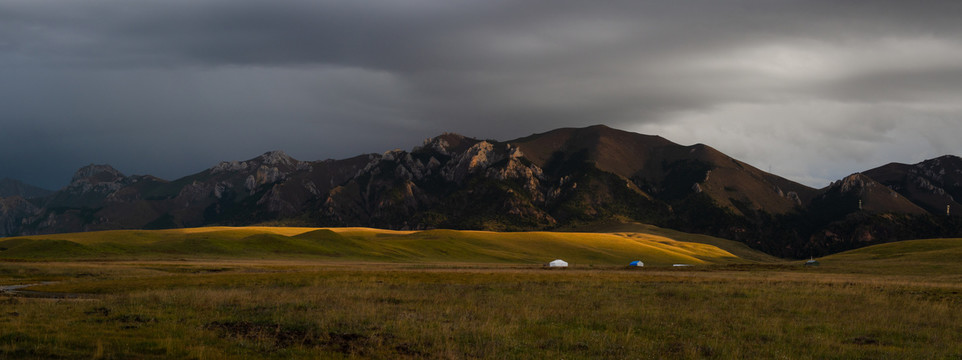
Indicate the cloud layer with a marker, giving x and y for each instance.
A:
(813, 90)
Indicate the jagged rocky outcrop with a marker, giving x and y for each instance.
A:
(563, 178)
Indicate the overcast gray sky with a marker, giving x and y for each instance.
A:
(812, 90)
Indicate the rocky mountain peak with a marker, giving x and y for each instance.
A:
(277, 157)
(446, 144)
(90, 186)
(97, 173)
(938, 167)
(270, 159)
(854, 182)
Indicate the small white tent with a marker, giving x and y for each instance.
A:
(558, 263)
(637, 263)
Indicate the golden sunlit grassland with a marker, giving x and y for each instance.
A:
(354, 244)
(877, 302)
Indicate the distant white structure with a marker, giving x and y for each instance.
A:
(558, 263)
(680, 265)
(638, 263)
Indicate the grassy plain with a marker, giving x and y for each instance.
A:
(871, 303)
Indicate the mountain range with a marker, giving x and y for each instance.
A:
(11, 187)
(567, 178)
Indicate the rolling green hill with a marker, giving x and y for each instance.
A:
(365, 244)
(929, 256)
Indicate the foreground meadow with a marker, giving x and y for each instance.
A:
(234, 293)
(300, 309)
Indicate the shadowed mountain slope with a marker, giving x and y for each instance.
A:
(667, 170)
(11, 187)
(932, 184)
(861, 192)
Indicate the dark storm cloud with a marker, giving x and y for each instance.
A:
(170, 87)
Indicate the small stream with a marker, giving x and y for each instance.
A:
(17, 290)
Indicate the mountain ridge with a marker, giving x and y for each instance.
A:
(566, 177)
(12, 187)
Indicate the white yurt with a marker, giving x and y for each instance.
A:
(558, 263)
